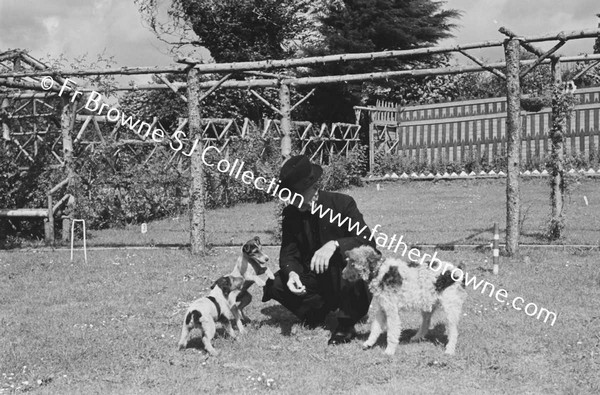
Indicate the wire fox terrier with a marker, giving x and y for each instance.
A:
(397, 285)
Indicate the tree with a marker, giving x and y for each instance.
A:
(241, 30)
(374, 25)
(232, 30)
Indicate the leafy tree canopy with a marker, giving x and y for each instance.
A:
(375, 25)
(242, 30)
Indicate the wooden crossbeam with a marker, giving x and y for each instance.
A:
(585, 70)
(540, 59)
(309, 94)
(82, 129)
(492, 70)
(22, 106)
(214, 88)
(171, 86)
(525, 43)
(21, 150)
(266, 102)
(99, 131)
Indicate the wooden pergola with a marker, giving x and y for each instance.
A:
(22, 80)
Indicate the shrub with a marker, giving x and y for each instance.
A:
(344, 171)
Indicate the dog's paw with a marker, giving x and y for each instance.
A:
(366, 345)
(416, 339)
(181, 346)
(213, 352)
(449, 351)
(389, 351)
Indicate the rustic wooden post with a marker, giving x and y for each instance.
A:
(67, 122)
(197, 201)
(5, 129)
(557, 132)
(286, 121)
(49, 223)
(372, 136)
(513, 132)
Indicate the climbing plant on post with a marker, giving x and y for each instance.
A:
(563, 102)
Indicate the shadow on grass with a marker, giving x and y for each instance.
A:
(436, 336)
(195, 339)
(279, 316)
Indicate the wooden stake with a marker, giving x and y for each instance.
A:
(513, 131)
(49, 223)
(496, 250)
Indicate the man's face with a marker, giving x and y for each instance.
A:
(308, 196)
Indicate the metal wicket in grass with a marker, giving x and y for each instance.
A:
(496, 249)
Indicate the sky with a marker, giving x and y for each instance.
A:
(481, 20)
(115, 28)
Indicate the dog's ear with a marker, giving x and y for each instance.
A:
(246, 248)
(224, 283)
(374, 256)
(373, 259)
(257, 239)
(193, 316)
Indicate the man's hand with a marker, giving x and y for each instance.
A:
(295, 285)
(320, 261)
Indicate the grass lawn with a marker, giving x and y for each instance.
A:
(428, 212)
(112, 326)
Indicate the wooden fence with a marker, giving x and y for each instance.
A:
(458, 131)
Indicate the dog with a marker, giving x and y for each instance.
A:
(397, 285)
(228, 297)
(252, 267)
(203, 313)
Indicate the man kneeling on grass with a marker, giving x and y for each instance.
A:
(312, 257)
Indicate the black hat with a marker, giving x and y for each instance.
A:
(298, 174)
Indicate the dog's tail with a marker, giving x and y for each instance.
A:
(193, 316)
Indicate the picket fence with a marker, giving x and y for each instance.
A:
(456, 132)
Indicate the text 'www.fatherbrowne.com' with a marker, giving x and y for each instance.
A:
(144, 130)
(382, 240)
